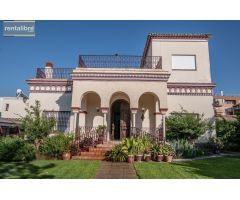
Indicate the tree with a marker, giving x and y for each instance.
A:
(36, 125)
(185, 125)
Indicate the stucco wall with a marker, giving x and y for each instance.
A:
(196, 104)
(167, 48)
(16, 107)
(148, 103)
(105, 89)
(94, 117)
(52, 101)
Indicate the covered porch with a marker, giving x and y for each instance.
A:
(126, 102)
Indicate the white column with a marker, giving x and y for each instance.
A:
(158, 119)
(134, 113)
(75, 122)
(164, 126)
(105, 112)
(163, 112)
(82, 118)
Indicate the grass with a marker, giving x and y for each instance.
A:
(59, 169)
(219, 168)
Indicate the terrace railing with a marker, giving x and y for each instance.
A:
(120, 61)
(103, 61)
(54, 73)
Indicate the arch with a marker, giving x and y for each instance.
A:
(119, 96)
(84, 97)
(148, 105)
(154, 95)
(90, 105)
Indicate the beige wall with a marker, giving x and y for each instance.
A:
(148, 102)
(166, 48)
(52, 101)
(16, 107)
(105, 89)
(196, 104)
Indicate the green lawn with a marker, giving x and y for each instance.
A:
(222, 167)
(49, 169)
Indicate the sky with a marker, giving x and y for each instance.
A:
(62, 41)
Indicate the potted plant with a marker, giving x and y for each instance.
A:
(129, 146)
(168, 153)
(147, 145)
(101, 133)
(160, 155)
(157, 152)
(66, 155)
(139, 150)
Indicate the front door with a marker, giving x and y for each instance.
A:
(120, 120)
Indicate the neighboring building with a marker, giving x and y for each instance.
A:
(129, 93)
(11, 110)
(226, 105)
(12, 107)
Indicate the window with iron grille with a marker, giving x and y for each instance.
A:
(62, 119)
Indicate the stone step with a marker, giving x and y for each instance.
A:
(105, 145)
(103, 149)
(88, 157)
(93, 153)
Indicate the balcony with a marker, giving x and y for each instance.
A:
(120, 61)
(102, 61)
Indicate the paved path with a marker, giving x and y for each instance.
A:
(111, 170)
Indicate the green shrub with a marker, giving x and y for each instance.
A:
(214, 145)
(55, 146)
(36, 125)
(184, 149)
(118, 154)
(16, 149)
(184, 125)
(229, 133)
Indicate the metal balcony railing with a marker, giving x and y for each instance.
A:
(104, 61)
(54, 73)
(119, 61)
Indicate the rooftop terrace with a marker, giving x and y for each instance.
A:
(102, 61)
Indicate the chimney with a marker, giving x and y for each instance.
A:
(49, 65)
(221, 92)
(49, 70)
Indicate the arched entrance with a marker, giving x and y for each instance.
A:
(120, 119)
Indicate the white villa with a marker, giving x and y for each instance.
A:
(129, 93)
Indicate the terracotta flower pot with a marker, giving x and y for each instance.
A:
(130, 158)
(168, 158)
(159, 158)
(138, 158)
(66, 156)
(147, 157)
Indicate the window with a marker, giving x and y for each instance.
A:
(7, 107)
(62, 119)
(184, 62)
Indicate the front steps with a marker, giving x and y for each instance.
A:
(96, 153)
